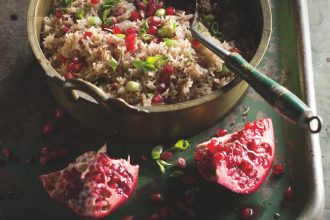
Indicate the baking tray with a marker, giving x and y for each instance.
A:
(25, 104)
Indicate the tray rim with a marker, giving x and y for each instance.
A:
(317, 202)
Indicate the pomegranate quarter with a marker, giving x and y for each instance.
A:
(239, 161)
(94, 185)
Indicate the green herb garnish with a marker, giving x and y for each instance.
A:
(80, 14)
(151, 63)
(167, 30)
(94, 20)
(156, 152)
(113, 64)
(132, 86)
(108, 4)
(67, 2)
(170, 42)
(182, 144)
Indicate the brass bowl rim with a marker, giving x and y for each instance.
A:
(261, 50)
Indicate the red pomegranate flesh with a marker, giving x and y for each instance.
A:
(94, 185)
(240, 161)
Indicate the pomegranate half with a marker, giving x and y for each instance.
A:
(240, 161)
(94, 185)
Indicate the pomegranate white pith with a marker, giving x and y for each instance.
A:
(241, 160)
(94, 185)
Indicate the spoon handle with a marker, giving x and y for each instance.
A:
(283, 101)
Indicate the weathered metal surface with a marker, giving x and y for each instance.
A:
(25, 104)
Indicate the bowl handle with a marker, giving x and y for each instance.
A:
(110, 104)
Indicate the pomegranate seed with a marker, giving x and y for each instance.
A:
(60, 58)
(114, 86)
(154, 216)
(235, 50)
(87, 34)
(154, 21)
(161, 87)
(151, 2)
(152, 9)
(69, 75)
(182, 163)
(152, 30)
(130, 38)
(278, 169)
(132, 48)
(247, 213)
(117, 30)
(66, 29)
(157, 99)
(59, 14)
(107, 28)
(157, 197)
(131, 30)
(135, 16)
(6, 153)
(221, 132)
(166, 155)
(59, 112)
(160, 5)
(141, 5)
(44, 151)
(168, 69)
(119, 11)
(128, 217)
(94, 2)
(195, 44)
(47, 128)
(170, 11)
(71, 67)
(288, 193)
(213, 146)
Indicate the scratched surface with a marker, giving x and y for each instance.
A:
(26, 104)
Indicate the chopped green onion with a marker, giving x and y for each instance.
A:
(94, 20)
(215, 27)
(182, 144)
(225, 70)
(105, 16)
(132, 86)
(170, 42)
(80, 14)
(107, 4)
(161, 167)
(160, 12)
(177, 173)
(208, 17)
(219, 35)
(167, 30)
(141, 65)
(113, 64)
(146, 37)
(155, 59)
(164, 163)
(156, 152)
(67, 2)
(246, 111)
(121, 35)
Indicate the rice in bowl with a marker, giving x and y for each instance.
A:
(142, 52)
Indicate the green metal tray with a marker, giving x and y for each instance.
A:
(26, 104)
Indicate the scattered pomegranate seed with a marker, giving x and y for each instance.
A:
(152, 9)
(76, 60)
(132, 48)
(221, 132)
(154, 216)
(130, 38)
(156, 40)
(117, 30)
(69, 75)
(60, 58)
(247, 213)
(6, 153)
(288, 193)
(87, 34)
(170, 11)
(47, 128)
(152, 30)
(71, 67)
(166, 155)
(128, 217)
(160, 5)
(66, 29)
(166, 74)
(278, 169)
(132, 30)
(182, 163)
(94, 2)
(141, 5)
(59, 14)
(161, 87)
(157, 99)
(135, 16)
(107, 28)
(235, 50)
(195, 44)
(154, 21)
(44, 151)
(157, 197)
(59, 112)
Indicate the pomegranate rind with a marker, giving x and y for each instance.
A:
(256, 148)
(75, 186)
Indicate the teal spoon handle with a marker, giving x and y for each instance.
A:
(283, 101)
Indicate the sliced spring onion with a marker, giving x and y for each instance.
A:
(107, 4)
(67, 2)
(167, 30)
(164, 163)
(132, 86)
(80, 14)
(160, 12)
(94, 20)
(215, 27)
(170, 42)
(121, 35)
(208, 17)
(182, 144)
(142, 65)
(155, 59)
(161, 167)
(225, 70)
(156, 152)
(146, 37)
(113, 64)
(105, 16)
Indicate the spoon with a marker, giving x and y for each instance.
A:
(283, 101)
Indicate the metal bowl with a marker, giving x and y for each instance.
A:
(91, 106)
